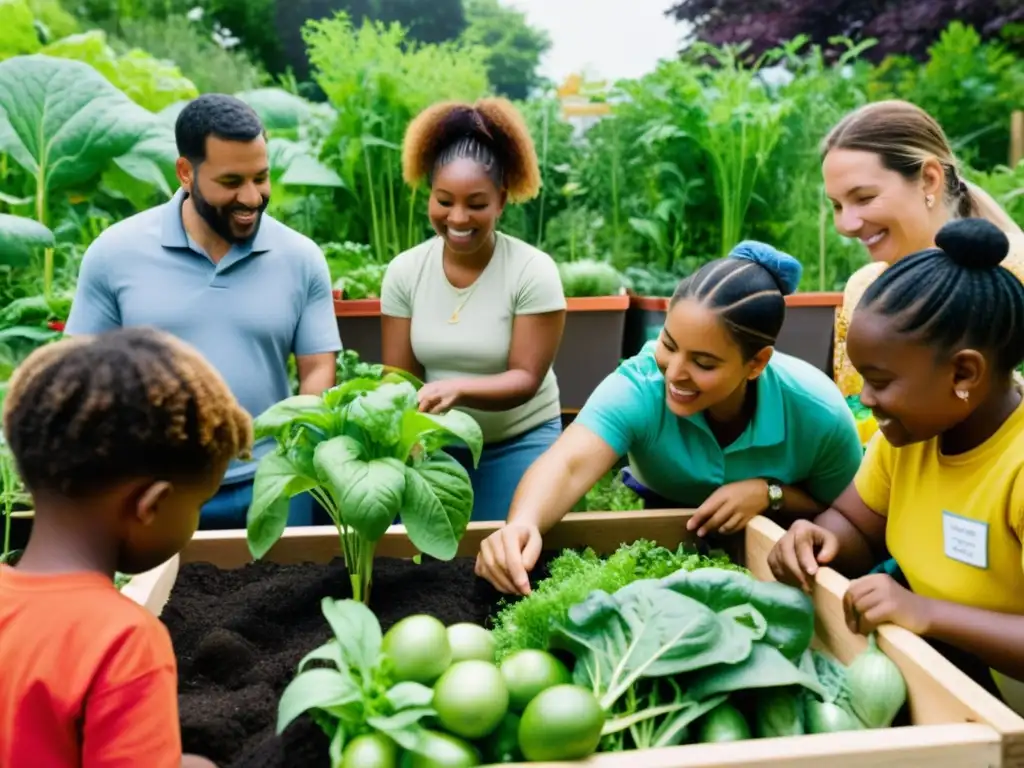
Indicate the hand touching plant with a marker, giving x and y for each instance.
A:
(367, 454)
(730, 508)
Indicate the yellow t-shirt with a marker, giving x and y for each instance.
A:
(954, 523)
(518, 280)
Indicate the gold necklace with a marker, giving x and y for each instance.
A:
(458, 308)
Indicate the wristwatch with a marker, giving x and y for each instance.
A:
(774, 496)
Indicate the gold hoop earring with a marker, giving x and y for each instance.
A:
(929, 200)
(963, 394)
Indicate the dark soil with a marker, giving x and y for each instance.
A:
(240, 634)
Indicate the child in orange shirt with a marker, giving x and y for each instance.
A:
(120, 439)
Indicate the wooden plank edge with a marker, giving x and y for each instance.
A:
(153, 588)
(909, 651)
(320, 544)
(921, 746)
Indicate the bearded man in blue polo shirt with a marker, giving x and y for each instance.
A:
(212, 268)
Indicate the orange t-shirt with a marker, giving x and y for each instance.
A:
(87, 676)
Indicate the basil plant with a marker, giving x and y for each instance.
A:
(367, 454)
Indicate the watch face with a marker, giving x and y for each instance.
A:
(774, 495)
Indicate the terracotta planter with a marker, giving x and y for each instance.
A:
(807, 332)
(591, 346)
(359, 326)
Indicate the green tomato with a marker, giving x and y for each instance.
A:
(442, 750)
(371, 750)
(418, 648)
(470, 699)
(471, 641)
(528, 672)
(563, 722)
(723, 723)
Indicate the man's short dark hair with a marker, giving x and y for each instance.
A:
(214, 114)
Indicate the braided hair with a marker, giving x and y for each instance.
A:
(84, 413)
(491, 132)
(956, 294)
(747, 290)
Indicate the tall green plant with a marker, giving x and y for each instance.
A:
(366, 453)
(378, 81)
(63, 123)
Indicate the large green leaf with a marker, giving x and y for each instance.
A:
(313, 689)
(62, 121)
(368, 493)
(357, 632)
(278, 109)
(19, 236)
(303, 409)
(379, 412)
(436, 430)
(788, 611)
(437, 505)
(276, 481)
(307, 171)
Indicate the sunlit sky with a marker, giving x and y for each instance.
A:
(605, 38)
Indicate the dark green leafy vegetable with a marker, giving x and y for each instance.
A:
(788, 612)
(527, 622)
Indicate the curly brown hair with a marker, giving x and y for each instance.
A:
(491, 131)
(86, 412)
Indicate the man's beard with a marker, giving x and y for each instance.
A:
(219, 219)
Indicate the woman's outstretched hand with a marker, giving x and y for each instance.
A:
(804, 548)
(508, 555)
(730, 508)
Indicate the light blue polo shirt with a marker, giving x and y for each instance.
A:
(802, 432)
(245, 314)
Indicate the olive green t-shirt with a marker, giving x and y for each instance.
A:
(519, 280)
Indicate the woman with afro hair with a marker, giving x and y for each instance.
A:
(476, 313)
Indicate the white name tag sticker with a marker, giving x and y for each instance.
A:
(965, 540)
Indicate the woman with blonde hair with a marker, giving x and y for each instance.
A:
(894, 182)
(476, 313)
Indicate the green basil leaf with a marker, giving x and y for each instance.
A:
(302, 409)
(404, 727)
(368, 493)
(329, 651)
(357, 631)
(437, 430)
(276, 481)
(437, 505)
(314, 689)
(408, 694)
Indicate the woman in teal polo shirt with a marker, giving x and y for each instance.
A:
(710, 416)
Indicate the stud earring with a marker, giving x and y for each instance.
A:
(929, 200)
(963, 394)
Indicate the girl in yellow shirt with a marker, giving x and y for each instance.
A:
(936, 338)
(893, 182)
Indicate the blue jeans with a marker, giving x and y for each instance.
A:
(502, 466)
(229, 508)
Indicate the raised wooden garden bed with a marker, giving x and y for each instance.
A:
(956, 724)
